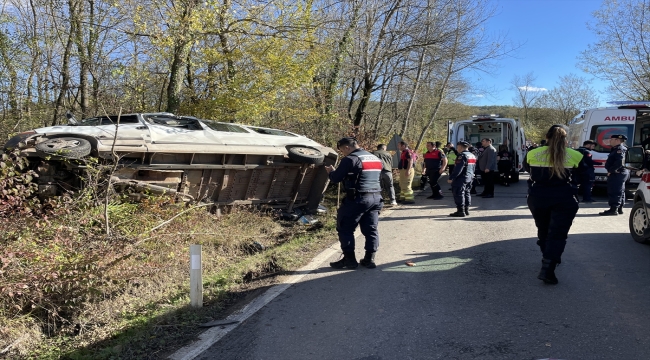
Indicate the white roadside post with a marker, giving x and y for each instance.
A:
(196, 280)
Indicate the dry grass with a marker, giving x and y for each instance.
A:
(68, 291)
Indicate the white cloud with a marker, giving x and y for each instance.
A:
(532, 88)
(479, 95)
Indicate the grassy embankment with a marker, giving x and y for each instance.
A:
(67, 290)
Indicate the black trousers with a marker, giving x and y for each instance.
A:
(553, 218)
(433, 182)
(488, 180)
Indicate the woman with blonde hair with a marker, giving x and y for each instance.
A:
(552, 196)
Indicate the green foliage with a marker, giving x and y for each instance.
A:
(17, 189)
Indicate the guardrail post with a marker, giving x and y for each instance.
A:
(196, 280)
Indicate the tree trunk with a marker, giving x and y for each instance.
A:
(65, 68)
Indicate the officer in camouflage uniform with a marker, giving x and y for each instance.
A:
(617, 175)
(359, 172)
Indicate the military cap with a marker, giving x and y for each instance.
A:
(464, 143)
(619, 136)
(589, 142)
(346, 141)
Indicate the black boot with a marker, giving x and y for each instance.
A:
(349, 261)
(620, 209)
(466, 210)
(368, 260)
(547, 273)
(459, 212)
(612, 211)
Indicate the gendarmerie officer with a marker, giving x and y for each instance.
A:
(461, 179)
(359, 172)
(586, 173)
(617, 174)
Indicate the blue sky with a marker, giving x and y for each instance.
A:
(552, 33)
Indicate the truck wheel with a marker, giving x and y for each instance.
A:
(639, 223)
(69, 147)
(305, 155)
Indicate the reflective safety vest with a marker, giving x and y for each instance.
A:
(542, 181)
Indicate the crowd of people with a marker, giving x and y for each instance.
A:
(479, 164)
(554, 174)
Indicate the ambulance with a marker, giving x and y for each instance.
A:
(502, 131)
(630, 118)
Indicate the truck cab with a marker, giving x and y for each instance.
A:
(502, 131)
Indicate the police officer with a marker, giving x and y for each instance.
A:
(461, 179)
(552, 197)
(617, 174)
(586, 172)
(359, 172)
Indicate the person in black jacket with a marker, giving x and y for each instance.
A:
(617, 175)
(359, 172)
(586, 173)
(461, 179)
(552, 197)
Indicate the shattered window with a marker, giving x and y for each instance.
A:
(109, 120)
(224, 127)
(188, 123)
(275, 132)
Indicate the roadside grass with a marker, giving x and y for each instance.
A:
(69, 291)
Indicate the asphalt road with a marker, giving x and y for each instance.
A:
(472, 295)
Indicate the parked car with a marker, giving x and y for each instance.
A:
(197, 159)
(639, 224)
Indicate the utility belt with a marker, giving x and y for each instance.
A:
(353, 193)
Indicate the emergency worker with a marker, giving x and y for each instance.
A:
(359, 173)
(552, 196)
(435, 163)
(461, 179)
(617, 174)
(406, 173)
(451, 156)
(586, 172)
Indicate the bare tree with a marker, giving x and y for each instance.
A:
(571, 96)
(527, 92)
(622, 53)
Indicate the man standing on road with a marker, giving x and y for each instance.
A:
(386, 172)
(586, 172)
(435, 163)
(487, 164)
(359, 172)
(461, 179)
(406, 173)
(617, 174)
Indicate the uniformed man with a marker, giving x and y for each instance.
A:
(617, 174)
(435, 163)
(359, 172)
(461, 179)
(586, 171)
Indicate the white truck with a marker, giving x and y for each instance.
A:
(502, 131)
(630, 118)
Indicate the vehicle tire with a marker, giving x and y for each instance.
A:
(70, 147)
(514, 176)
(639, 223)
(305, 155)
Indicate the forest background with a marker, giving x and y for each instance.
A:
(320, 68)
